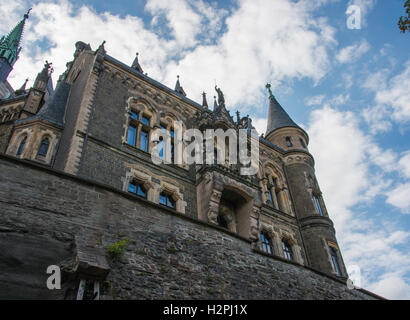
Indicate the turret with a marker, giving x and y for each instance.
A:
(10, 48)
(281, 129)
(316, 227)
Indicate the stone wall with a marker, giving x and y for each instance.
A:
(168, 255)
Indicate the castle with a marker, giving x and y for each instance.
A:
(78, 178)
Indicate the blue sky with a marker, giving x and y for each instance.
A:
(350, 89)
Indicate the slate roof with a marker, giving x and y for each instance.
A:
(278, 118)
(53, 110)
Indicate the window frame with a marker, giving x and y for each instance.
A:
(287, 250)
(266, 242)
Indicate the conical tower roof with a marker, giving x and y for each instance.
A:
(277, 117)
(10, 46)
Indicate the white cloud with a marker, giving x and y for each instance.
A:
(353, 53)
(340, 146)
(365, 7)
(315, 100)
(399, 197)
(241, 60)
(394, 287)
(391, 102)
(404, 164)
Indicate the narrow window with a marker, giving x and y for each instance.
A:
(289, 142)
(144, 140)
(132, 135)
(266, 243)
(287, 250)
(270, 199)
(21, 147)
(222, 222)
(137, 188)
(166, 200)
(134, 115)
(161, 147)
(42, 151)
(317, 205)
(145, 120)
(335, 261)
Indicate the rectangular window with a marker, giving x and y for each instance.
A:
(144, 141)
(163, 200)
(132, 135)
(132, 188)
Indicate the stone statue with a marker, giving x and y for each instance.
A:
(221, 99)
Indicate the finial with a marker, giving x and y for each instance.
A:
(268, 86)
(28, 13)
(204, 101)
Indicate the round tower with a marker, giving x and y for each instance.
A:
(315, 225)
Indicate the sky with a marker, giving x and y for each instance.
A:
(349, 88)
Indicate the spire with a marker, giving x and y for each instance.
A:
(10, 48)
(42, 80)
(136, 64)
(178, 88)
(277, 118)
(22, 89)
(204, 102)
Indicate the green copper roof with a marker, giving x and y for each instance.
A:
(10, 46)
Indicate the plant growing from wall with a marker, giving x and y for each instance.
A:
(117, 249)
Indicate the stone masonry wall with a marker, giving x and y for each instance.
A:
(168, 256)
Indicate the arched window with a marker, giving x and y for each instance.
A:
(318, 207)
(287, 250)
(137, 188)
(21, 146)
(166, 200)
(333, 254)
(139, 127)
(42, 151)
(222, 222)
(266, 243)
(289, 142)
